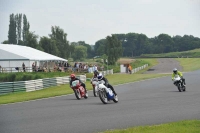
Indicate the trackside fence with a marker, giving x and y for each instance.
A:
(33, 85)
(139, 68)
(107, 72)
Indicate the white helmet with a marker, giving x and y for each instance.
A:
(100, 76)
(175, 70)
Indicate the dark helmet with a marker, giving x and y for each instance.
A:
(72, 76)
(96, 72)
(100, 76)
(175, 70)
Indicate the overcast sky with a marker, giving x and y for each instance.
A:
(92, 20)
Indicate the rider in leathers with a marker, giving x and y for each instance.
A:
(73, 78)
(101, 77)
(176, 72)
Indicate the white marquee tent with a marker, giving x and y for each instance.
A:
(12, 56)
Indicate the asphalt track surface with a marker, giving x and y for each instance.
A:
(147, 102)
(165, 65)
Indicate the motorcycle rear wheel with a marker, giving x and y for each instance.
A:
(184, 88)
(86, 96)
(95, 92)
(115, 99)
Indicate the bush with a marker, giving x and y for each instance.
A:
(11, 77)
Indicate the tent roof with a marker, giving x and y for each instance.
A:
(125, 61)
(18, 52)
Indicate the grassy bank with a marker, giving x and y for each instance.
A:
(190, 126)
(191, 54)
(189, 64)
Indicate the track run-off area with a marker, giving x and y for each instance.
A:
(146, 102)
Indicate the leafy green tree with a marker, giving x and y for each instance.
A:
(5, 42)
(18, 19)
(100, 47)
(60, 38)
(90, 52)
(113, 49)
(49, 45)
(72, 48)
(166, 43)
(31, 40)
(80, 53)
(25, 31)
(12, 37)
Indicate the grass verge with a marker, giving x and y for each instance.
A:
(189, 126)
(189, 64)
(195, 53)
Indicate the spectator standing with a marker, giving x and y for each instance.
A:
(95, 68)
(130, 69)
(23, 66)
(33, 67)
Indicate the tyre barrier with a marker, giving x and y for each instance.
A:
(33, 85)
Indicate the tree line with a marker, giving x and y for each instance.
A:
(111, 47)
(134, 44)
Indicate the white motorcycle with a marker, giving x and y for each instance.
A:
(94, 83)
(105, 94)
(179, 83)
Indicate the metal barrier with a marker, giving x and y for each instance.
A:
(139, 68)
(107, 72)
(33, 85)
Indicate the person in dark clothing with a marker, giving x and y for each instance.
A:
(73, 78)
(101, 77)
(23, 66)
(96, 73)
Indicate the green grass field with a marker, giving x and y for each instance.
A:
(189, 126)
(189, 64)
(191, 54)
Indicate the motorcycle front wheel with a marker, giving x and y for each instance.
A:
(179, 87)
(103, 97)
(77, 94)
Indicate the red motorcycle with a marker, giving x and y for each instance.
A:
(79, 90)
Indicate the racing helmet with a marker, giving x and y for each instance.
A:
(175, 70)
(96, 72)
(72, 76)
(100, 76)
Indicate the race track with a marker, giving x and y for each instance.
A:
(165, 65)
(148, 102)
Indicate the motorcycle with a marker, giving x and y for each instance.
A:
(79, 90)
(105, 94)
(179, 83)
(94, 82)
